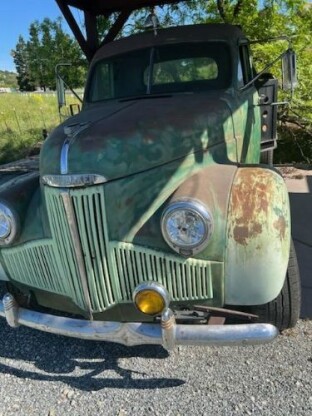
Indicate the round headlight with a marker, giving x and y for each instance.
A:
(8, 225)
(187, 226)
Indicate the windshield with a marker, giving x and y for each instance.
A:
(166, 69)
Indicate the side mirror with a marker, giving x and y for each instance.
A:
(60, 90)
(289, 71)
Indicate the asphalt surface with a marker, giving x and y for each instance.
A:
(43, 374)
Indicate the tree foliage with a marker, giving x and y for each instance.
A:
(24, 78)
(47, 46)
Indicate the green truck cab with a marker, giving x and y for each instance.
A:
(151, 215)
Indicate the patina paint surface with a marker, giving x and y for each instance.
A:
(143, 134)
(135, 204)
(246, 121)
(258, 237)
(19, 194)
(210, 185)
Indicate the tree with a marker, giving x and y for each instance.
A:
(24, 78)
(47, 46)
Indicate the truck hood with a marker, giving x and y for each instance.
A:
(122, 138)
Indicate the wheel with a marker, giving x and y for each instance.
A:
(284, 311)
(267, 157)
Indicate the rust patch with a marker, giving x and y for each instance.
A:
(243, 233)
(280, 225)
(251, 197)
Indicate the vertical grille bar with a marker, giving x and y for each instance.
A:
(187, 279)
(89, 209)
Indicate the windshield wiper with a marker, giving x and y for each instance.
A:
(144, 97)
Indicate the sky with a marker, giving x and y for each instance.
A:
(15, 19)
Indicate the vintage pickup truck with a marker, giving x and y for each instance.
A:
(151, 219)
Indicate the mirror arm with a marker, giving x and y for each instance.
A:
(263, 71)
(280, 103)
(275, 39)
(274, 104)
(65, 83)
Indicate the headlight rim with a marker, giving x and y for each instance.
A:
(157, 288)
(10, 214)
(200, 209)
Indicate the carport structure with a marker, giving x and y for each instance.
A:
(106, 8)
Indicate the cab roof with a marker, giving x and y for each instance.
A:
(180, 34)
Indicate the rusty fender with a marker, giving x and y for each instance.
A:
(258, 237)
(211, 186)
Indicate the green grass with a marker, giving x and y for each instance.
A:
(22, 119)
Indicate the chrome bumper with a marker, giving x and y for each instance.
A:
(167, 333)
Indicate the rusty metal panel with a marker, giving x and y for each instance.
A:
(258, 237)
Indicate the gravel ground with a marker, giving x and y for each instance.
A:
(42, 374)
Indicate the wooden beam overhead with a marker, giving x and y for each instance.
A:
(63, 5)
(106, 7)
(117, 26)
(94, 8)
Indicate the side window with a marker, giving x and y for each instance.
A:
(245, 73)
(102, 85)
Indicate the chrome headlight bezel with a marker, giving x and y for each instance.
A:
(201, 212)
(12, 221)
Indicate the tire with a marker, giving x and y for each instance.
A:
(267, 157)
(283, 311)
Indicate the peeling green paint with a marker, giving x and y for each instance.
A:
(258, 241)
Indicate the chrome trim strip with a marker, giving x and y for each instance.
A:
(137, 333)
(69, 209)
(64, 156)
(71, 132)
(73, 181)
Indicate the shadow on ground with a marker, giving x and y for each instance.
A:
(83, 365)
(301, 208)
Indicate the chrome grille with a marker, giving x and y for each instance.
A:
(185, 279)
(90, 214)
(113, 268)
(36, 266)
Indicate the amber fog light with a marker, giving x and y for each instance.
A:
(151, 298)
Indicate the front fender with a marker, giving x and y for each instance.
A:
(258, 231)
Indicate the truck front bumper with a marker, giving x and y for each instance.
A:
(166, 333)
